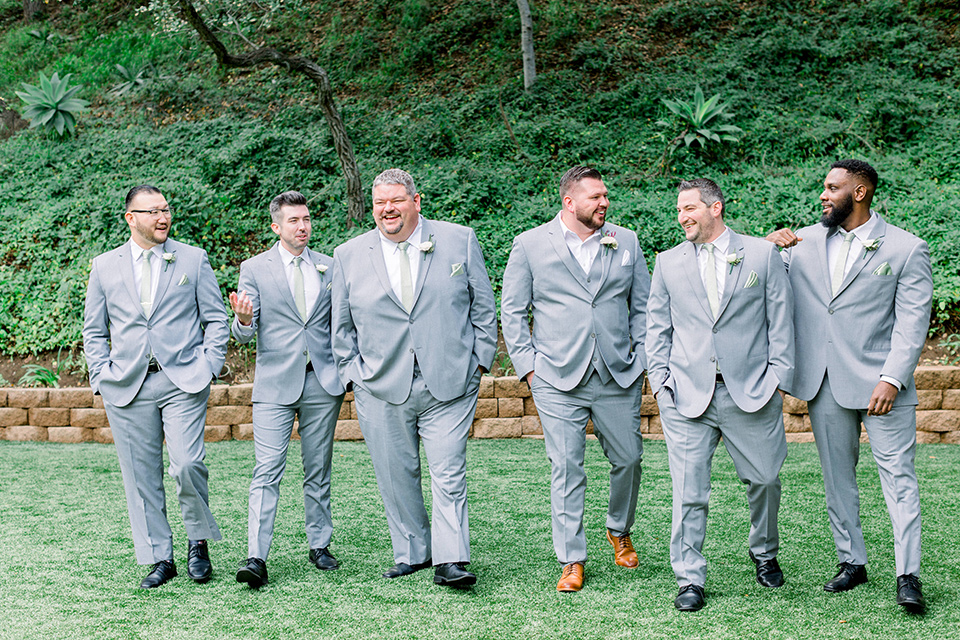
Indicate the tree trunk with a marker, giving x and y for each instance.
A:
(309, 68)
(526, 45)
(31, 8)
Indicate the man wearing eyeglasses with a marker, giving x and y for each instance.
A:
(154, 335)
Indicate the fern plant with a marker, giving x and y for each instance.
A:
(52, 104)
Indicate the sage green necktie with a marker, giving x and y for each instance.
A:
(840, 266)
(146, 283)
(713, 294)
(406, 280)
(299, 296)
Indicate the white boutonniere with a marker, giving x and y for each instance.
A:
(871, 245)
(733, 260)
(322, 269)
(427, 247)
(168, 258)
(609, 242)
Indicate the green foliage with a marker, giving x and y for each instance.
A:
(436, 89)
(133, 77)
(702, 120)
(52, 105)
(37, 376)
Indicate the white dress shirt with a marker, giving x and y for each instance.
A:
(391, 256)
(311, 277)
(584, 251)
(720, 247)
(157, 266)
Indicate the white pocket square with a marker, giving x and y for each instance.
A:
(329, 286)
(456, 269)
(625, 261)
(883, 270)
(183, 280)
(752, 280)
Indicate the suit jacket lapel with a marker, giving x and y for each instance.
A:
(316, 259)
(732, 276)
(279, 275)
(691, 269)
(125, 267)
(426, 260)
(165, 273)
(380, 267)
(555, 237)
(820, 242)
(606, 258)
(864, 258)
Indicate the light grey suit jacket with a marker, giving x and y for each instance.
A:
(752, 336)
(452, 328)
(283, 339)
(187, 331)
(875, 325)
(570, 315)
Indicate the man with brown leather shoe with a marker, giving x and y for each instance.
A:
(586, 282)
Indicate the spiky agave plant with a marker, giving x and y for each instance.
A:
(52, 104)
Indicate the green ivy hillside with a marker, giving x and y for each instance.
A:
(436, 88)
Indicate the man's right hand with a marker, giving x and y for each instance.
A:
(529, 378)
(784, 238)
(241, 305)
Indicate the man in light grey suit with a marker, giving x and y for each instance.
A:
(154, 335)
(586, 282)
(863, 290)
(414, 326)
(284, 299)
(719, 346)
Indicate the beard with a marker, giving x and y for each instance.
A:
(587, 219)
(838, 214)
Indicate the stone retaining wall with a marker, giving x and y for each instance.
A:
(504, 410)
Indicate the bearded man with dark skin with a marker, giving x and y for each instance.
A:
(863, 290)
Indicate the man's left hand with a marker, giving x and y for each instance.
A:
(881, 400)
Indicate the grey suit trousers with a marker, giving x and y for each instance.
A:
(393, 433)
(893, 439)
(616, 420)
(272, 427)
(161, 410)
(758, 446)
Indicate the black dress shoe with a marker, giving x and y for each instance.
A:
(909, 595)
(769, 573)
(849, 576)
(162, 572)
(253, 572)
(323, 559)
(452, 574)
(404, 569)
(690, 598)
(198, 561)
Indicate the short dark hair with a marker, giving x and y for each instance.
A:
(575, 175)
(709, 191)
(860, 169)
(137, 190)
(285, 199)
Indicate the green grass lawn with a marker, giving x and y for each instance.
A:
(67, 567)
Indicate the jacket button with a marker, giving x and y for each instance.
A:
(712, 359)
(411, 350)
(830, 311)
(593, 335)
(593, 304)
(715, 330)
(304, 353)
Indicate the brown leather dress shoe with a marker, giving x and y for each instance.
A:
(623, 553)
(572, 578)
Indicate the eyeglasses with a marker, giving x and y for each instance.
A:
(154, 213)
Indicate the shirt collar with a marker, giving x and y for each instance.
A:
(568, 234)
(137, 250)
(721, 244)
(864, 232)
(415, 238)
(288, 257)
